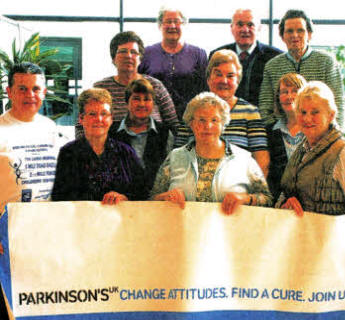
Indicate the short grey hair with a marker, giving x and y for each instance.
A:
(318, 90)
(254, 13)
(204, 100)
(164, 9)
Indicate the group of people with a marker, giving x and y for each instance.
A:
(248, 125)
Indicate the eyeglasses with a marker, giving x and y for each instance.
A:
(175, 22)
(94, 115)
(204, 121)
(124, 51)
(286, 91)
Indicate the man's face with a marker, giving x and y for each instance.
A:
(296, 35)
(26, 94)
(244, 29)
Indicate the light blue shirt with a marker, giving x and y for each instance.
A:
(305, 56)
(290, 142)
(138, 140)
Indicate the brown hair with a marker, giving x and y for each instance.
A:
(224, 56)
(93, 94)
(291, 80)
(139, 86)
(292, 14)
(125, 37)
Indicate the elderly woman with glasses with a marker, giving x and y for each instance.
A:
(126, 51)
(314, 177)
(179, 65)
(96, 166)
(210, 169)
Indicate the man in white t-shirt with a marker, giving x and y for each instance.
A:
(29, 142)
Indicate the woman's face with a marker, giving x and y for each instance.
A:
(287, 96)
(127, 58)
(314, 117)
(207, 124)
(140, 105)
(223, 80)
(172, 25)
(96, 119)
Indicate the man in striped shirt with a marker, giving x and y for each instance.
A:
(296, 30)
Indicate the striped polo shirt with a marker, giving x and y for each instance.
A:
(245, 129)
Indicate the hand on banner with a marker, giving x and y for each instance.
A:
(233, 200)
(113, 197)
(174, 195)
(294, 204)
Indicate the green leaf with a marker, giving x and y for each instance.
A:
(31, 52)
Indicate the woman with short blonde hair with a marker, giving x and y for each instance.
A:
(314, 177)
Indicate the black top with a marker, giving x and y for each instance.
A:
(155, 150)
(82, 175)
(278, 160)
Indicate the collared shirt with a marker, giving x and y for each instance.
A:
(290, 142)
(250, 50)
(297, 64)
(138, 140)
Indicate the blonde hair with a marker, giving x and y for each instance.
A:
(205, 100)
(93, 94)
(224, 56)
(318, 90)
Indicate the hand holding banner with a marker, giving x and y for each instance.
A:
(144, 260)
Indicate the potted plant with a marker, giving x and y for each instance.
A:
(53, 69)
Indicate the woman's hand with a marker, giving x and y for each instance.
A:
(233, 200)
(174, 195)
(113, 197)
(294, 204)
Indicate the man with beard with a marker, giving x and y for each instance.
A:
(246, 128)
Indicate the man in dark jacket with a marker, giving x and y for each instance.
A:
(253, 54)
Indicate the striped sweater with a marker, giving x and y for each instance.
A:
(163, 109)
(314, 65)
(245, 129)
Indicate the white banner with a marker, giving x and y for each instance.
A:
(78, 258)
